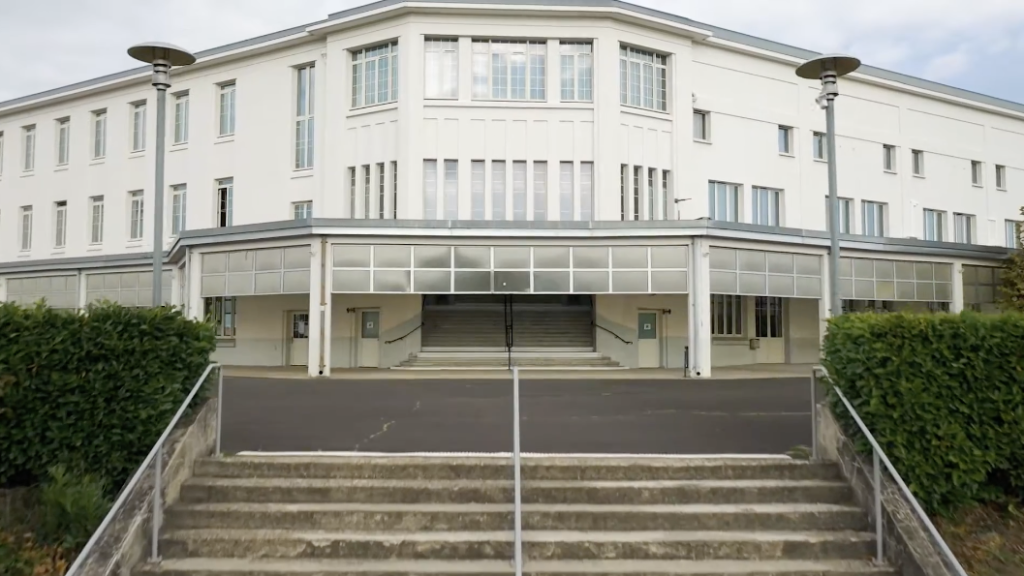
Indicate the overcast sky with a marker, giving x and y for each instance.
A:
(972, 44)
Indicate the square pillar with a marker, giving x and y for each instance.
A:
(327, 307)
(316, 296)
(957, 305)
(700, 309)
(193, 286)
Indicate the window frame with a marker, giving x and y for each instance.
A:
(60, 224)
(381, 190)
(499, 189)
(879, 210)
(566, 191)
(302, 210)
(1012, 229)
(360, 87)
(136, 215)
(367, 190)
(937, 219)
(478, 190)
(227, 108)
(539, 191)
(97, 216)
(701, 119)
(63, 141)
(352, 190)
(586, 191)
(99, 134)
(181, 113)
(222, 312)
(224, 199)
(140, 113)
(430, 211)
(520, 190)
(530, 91)
(451, 189)
(819, 146)
(727, 326)
(785, 136)
(179, 208)
(446, 60)
(773, 198)
(1001, 178)
(659, 81)
(26, 222)
(963, 228)
(889, 158)
(769, 316)
(733, 192)
(917, 163)
(305, 129)
(28, 143)
(845, 215)
(977, 174)
(581, 86)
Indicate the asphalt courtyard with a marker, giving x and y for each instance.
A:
(579, 416)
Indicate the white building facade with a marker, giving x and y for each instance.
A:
(439, 175)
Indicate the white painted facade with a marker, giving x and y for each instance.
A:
(549, 147)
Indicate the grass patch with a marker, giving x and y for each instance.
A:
(988, 540)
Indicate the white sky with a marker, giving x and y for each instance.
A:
(972, 44)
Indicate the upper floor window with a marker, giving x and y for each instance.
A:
(226, 126)
(181, 118)
(917, 162)
(586, 190)
(63, 141)
(225, 202)
(29, 144)
(99, 134)
(1013, 230)
(304, 117)
(723, 201)
(963, 231)
(701, 126)
(845, 215)
(1000, 177)
(25, 228)
(933, 224)
(302, 210)
(179, 194)
(765, 206)
(577, 60)
(819, 145)
(785, 140)
(874, 218)
(442, 68)
(96, 220)
(375, 75)
(60, 224)
(977, 169)
(509, 69)
(888, 158)
(135, 211)
(643, 78)
(138, 126)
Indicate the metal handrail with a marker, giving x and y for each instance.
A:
(155, 455)
(407, 334)
(518, 552)
(878, 455)
(621, 339)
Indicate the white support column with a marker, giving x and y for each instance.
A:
(315, 294)
(83, 299)
(957, 306)
(328, 308)
(194, 309)
(700, 309)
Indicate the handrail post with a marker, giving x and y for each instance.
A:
(518, 478)
(220, 409)
(154, 555)
(878, 506)
(814, 413)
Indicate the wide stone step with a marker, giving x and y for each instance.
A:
(197, 490)
(490, 517)
(537, 545)
(533, 468)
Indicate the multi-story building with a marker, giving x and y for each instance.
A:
(565, 174)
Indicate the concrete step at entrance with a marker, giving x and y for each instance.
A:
(500, 360)
(546, 326)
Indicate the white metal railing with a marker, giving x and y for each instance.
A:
(518, 551)
(155, 457)
(879, 458)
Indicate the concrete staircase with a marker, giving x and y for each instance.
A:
(484, 327)
(347, 516)
(470, 359)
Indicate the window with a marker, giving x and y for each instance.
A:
(701, 126)
(63, 141)
(135, 211)
(652, 191)
(225, 202)
(60, 224)
(478, 186)
(367, 195)
(430, 189)
(723, 201)
(963, 228)
(305, 85)
(819, 145)
(845, 215)
(302, 210)
(765, 206)
(667, 198)
(138, 127)
(221, 311)
(99, 134)
(178, 206)
(226, 126)
(566, 185)
(540, 191)
(519, 190)
(917, 161)
(889, 158)
(451, 189)
(1013, 230)
(726, 315)
(442, 63)
(381, 190)
(768, 317)
(181, 118)
(351, 191)
(586, 191)
(785, 140)
(623, 191)
(375, 75)
(577, 71)
(25, 228)
(394, 190)
(29, 142)
(976, 172)
(96, 220)
(643, 79)
(509, 69)
(874, 218)
(638, 182)
(933, 224)
(498, 190)
(1000, 177)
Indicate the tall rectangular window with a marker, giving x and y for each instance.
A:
(768, 317)
(509, 69)
(577, 59)
(766, 204)
(519, 190)
(478, 188)
(222, 313)
(28, 139)
(586, 191)
(540, 191)
(302, 210)
(785, 140)
(178, 207)
(723, 201)
(451, 189)
(226, 126)
(1000, 177)
(394, 190)
(845, 215)
(498, 190)
(977, 171)
(1013, 230)
(933, 224)
(442, 68)
(874, 218)
(819, 146)
(643, 78)
(566, 186)
(382, 191)
(352, 192)
(889, 158)
(726, 315)
(375, 75)
(652, 192)
(430, 189)
(25, 228)
(667, 198)
(623, 192)
(96, 213)
(304, 90)
(638, 183)
(225, 202)
(701, 126)
(63, 141)
(138, 126)
(963, 231)
(917, 161)
(99, 134)
(367, 193)
(60, 224)
(181, 118)
(135, 215)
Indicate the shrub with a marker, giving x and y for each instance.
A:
(944, 396)
(93, 391)
(21, 556)
(71, 508)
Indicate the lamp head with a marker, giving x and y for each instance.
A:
(150, 52)
(839, 64)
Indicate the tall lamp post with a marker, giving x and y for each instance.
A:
(162, 56)
(828, 68)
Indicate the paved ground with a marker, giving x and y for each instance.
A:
(750, 416)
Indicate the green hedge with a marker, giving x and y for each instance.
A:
(91, 391)
(944, 396)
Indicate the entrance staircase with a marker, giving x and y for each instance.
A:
(495, 359)
(448, 516)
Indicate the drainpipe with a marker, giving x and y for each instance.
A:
(323, 302)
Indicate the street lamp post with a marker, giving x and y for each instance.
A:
(828, 68)
(162, 56)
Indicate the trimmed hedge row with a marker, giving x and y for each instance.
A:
(91, 391)
(944, 396)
